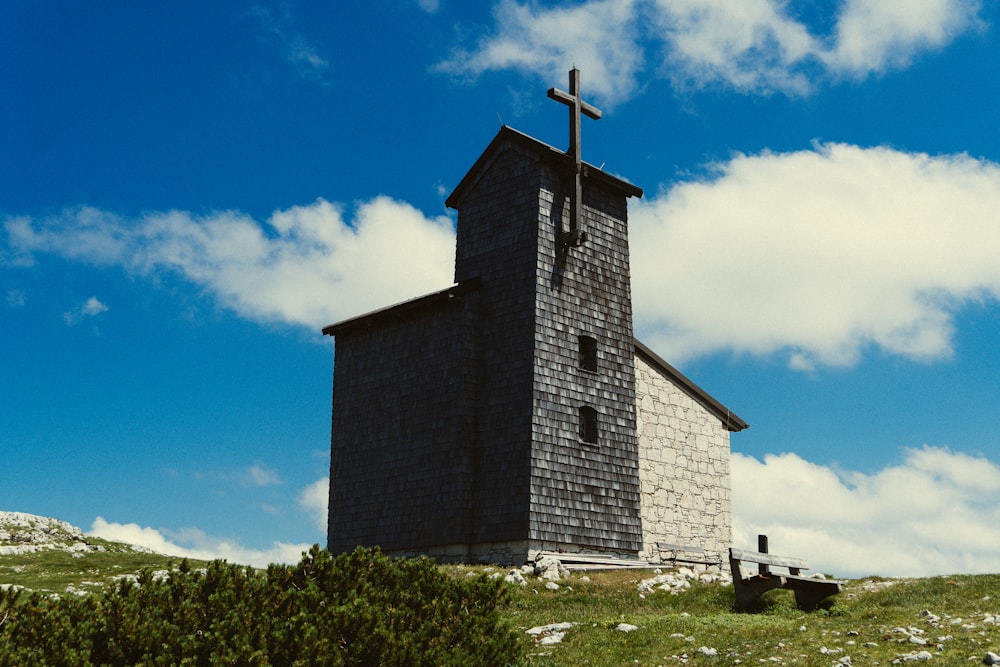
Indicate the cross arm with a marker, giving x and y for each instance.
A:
(588, 110)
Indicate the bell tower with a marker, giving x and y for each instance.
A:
(545, 235)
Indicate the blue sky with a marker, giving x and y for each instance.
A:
(189, 193)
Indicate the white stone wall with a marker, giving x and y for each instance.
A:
(683, 467)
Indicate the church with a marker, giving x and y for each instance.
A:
(514, 411)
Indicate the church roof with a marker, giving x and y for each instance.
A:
(508, 135)
(729, 420)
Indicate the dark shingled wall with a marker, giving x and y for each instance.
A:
(404, 429)
(584, 494)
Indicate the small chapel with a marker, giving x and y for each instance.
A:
(514, 411)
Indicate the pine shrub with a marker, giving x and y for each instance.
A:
(361, 608)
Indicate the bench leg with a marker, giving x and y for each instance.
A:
(808, 600)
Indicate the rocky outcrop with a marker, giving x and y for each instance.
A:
(22, 533)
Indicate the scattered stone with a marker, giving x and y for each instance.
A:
(550, 568)
(513, 577)
(626, 627)
(550, 634)
(679, 580)
(551, 585)
(706, 650)
(991, 658)
(916, 656)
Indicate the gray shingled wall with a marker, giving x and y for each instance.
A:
(584, 495)
(402, 452)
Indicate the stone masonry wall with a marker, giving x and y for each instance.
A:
(683, 467)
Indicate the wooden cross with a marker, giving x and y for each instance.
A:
(577, 106)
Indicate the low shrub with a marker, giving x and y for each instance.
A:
(361, 608)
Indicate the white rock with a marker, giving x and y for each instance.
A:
(626, 627)
(514, 577)
(921, 656)
(551, 585)
(550, 568)
(705, 650)
(550, 628)
(991, 658)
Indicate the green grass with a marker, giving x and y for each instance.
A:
(861, 622)
(57, 571)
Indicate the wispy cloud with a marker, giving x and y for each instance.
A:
(278, 27)
(601, 37)
(753, 46)
(257, 475)
(195, 543)
(92, 307)
(936, 512)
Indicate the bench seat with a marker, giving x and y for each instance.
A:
(809, 591)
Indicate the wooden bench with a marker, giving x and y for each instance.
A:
(809, 591)
(678, 553)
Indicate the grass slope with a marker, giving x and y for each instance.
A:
(872, 622)
(61, 572)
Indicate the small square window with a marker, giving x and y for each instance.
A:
(588, 353)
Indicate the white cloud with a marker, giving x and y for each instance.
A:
(429, 6)
(873, 36)
(306, 265)
(754, 46)
(195, 543)
(751, 45)
(600, 37)
(292, 45)
(315, 499)
(817, 255)
(92, 307)
(257, 475)
(937, 512)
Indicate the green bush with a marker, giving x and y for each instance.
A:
(361, 608)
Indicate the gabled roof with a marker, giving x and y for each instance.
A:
(508, 135)
(729, 420)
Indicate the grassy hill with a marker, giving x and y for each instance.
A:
(941, 620)
(954, 619)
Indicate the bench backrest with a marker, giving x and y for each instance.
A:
(794, 565)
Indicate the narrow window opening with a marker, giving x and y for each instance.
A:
(588, 424)
(588, 353)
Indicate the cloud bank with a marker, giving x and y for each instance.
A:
(936, 512)
(307, 265)
(753, 46)
(195, 543)
(815, 255)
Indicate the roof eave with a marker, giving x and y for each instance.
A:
(728, 419)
